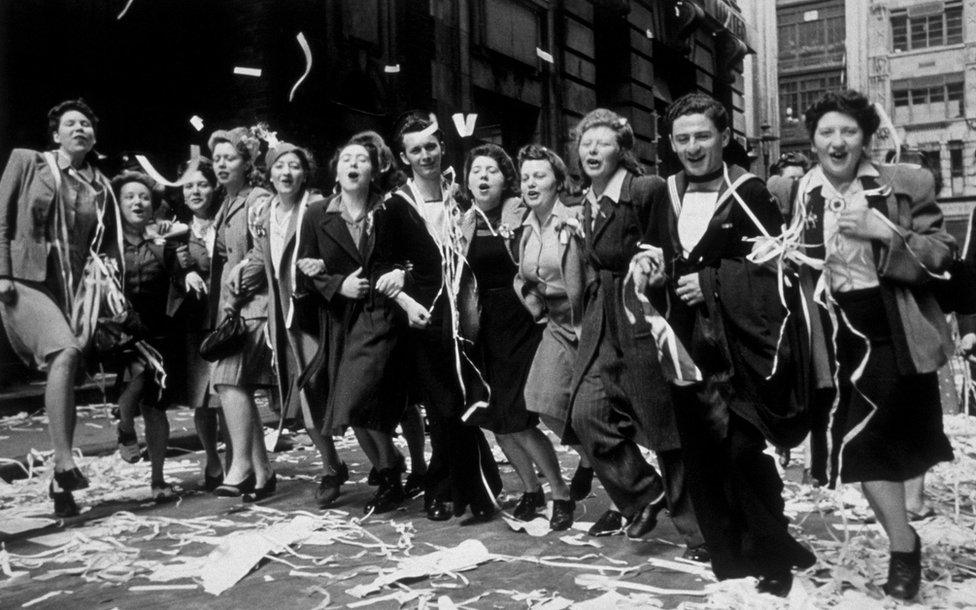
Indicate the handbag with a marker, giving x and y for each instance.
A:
(225, 340)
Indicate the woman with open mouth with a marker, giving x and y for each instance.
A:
(149, 265)
(358, 328)
(883, 241)
(188, 380)
(504, 336)
(236, 377)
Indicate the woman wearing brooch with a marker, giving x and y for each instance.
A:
(504, 335)
(881, 239)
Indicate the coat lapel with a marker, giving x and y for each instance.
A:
(335, 228)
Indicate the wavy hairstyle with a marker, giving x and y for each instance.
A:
(537, 152)
(510, 186)
(852, 103)
(602, 117)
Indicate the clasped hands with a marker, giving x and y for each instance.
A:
(354, 285)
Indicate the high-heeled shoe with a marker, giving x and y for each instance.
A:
(529, 504)
(265, 491)
(234, 490)
(64, 502)
(70, 480)
(905, 572)
(211, 483)
(389, 495)
(329, 484)
(562, 515)
(375, 477)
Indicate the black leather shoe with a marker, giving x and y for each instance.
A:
(479, 515)
(609, 524)
(211, 483)
(645, 521)
(698, 554)
(529, 504)
(775, 584)
(438, 510)
(581, 483)
(233, 490)
(562, 515)
(64, 502)
(265, 491)
(329, 484)
(389, 495)
(904, 573)
(414, 485)
(374, 478)
(70, 480)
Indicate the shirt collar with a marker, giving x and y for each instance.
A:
(558, 213)
(817, 178)
(614, 186)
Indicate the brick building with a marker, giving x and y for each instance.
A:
(147, 72)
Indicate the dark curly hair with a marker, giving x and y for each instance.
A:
(54, 114)
(510, 188)
(411, 122)
(697, 103)
(852, 103)
(384, 173)
(537, 152)
(601, 117)
(127, 176)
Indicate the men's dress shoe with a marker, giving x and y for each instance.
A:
(610, 523)
(775, 584)
(529, 504)
(698, 554)
(905, 573)
(645, 521)
(479, 515)
(64, 502)
(562, 515)
(389, 495)
(581, 483)
(265, 491)
(233, 490)
(414, 485)
(438, 510)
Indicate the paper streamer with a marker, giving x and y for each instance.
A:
(544, 56)
(125, 9)
(392, 69)
(247, 71)
(432, 128)
(308, 64)
(197, 122)
(464, 123)
(155, 175)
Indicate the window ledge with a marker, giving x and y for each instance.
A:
(935, 49)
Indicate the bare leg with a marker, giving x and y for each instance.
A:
(205, 420)
(915, 494)
(237, 404)
(59, 403)
(412, 426)
(887, 499)
(520, 460)
(539, 449)
(259, 454)
(157, 436)
(369, 446)
(130, 397)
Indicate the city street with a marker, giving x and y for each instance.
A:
(126, 552)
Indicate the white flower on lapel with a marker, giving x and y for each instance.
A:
(254, 224)
(505, 231)
(569, 228)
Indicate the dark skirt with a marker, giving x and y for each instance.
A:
(503, 353)
(886, 426)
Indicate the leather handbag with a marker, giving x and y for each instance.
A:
(225, 340)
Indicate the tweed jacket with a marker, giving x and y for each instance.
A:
(236, 233)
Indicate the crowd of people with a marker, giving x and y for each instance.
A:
(700, 315)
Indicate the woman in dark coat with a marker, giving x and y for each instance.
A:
(726, 311)
(883, 242)
(358, 326)
(507, 337)
(619, 393)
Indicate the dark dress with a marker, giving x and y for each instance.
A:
(507, 337)
(461, 469)
(725, 420)
(357, 338)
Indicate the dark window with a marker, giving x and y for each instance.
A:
(955, 158)
(941, 100)
(800, 93)
(928, 24)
